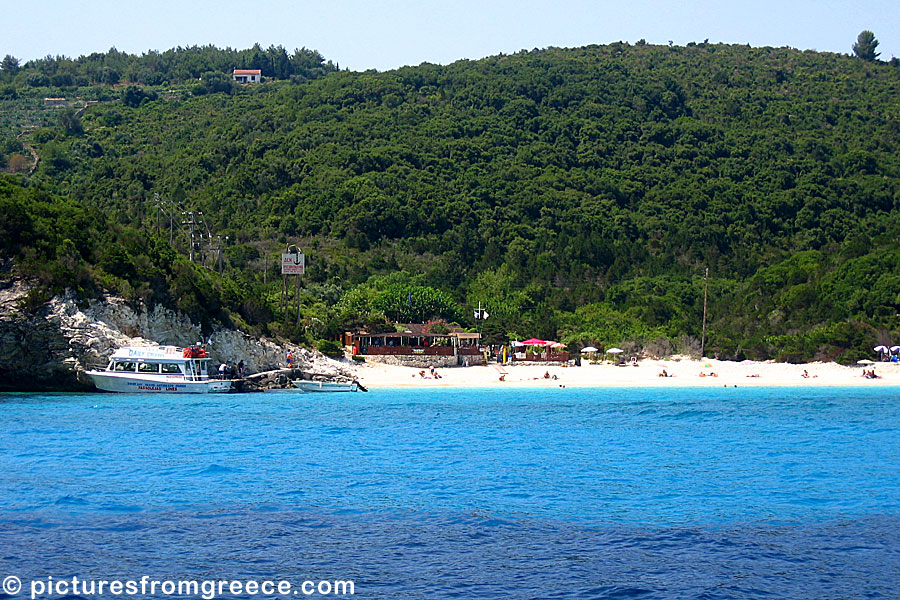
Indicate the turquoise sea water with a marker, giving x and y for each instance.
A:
(566, 493)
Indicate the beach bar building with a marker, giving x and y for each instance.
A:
(417, 344)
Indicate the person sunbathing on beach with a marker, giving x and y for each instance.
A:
(664, 374)
(546, 374)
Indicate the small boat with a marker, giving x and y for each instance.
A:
(327, 386)
(164, 369)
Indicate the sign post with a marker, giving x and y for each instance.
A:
(293, 262)
(480, 315)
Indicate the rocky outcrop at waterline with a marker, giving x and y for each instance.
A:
(49, 349)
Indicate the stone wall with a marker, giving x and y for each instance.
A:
(418, 362)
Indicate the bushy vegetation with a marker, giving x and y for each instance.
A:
(174, 66)
(62, 244)
(578, 194)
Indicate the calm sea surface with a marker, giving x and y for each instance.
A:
(507, 493)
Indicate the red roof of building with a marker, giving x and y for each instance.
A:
(246, 71)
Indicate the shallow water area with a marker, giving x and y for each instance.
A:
(560, 492)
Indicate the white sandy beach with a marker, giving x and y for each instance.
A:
(683, 373)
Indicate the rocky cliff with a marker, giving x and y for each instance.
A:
(48, 350)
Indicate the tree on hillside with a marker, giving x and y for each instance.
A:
(865, 46)
(9, 65)
(212, 82)
(69, 122)
(134, 96)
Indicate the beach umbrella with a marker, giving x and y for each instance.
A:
(865, 361)
(516, 344)
(880, 349)
(534, 342)
(557, 345)
(895, 348)
(589, 349)
(615, 351)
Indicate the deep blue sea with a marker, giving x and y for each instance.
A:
(731, 493)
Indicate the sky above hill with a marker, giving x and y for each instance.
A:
(377, 34)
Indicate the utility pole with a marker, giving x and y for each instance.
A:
(705, 298)
(190, 224)
(219, 252)
(200, 236)
(158, 208)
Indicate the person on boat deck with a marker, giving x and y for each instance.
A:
(222, 368)
(240, 368)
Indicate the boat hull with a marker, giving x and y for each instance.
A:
(325, 386)
(122, 382)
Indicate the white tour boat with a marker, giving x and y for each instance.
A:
(158, 369)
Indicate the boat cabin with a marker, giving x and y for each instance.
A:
(191, 363)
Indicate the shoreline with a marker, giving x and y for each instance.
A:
(683, 373)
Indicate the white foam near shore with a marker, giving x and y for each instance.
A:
(683, 373)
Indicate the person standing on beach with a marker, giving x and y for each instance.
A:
(290, 360)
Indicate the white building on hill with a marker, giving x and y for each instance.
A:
(247, 75)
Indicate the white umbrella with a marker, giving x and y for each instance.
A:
(865, 361)
(895, 348)
(614, 351)
(589, 349)
(880, 348)
(516, 344)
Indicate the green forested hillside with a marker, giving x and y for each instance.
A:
(578, 194)
(62, 244)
